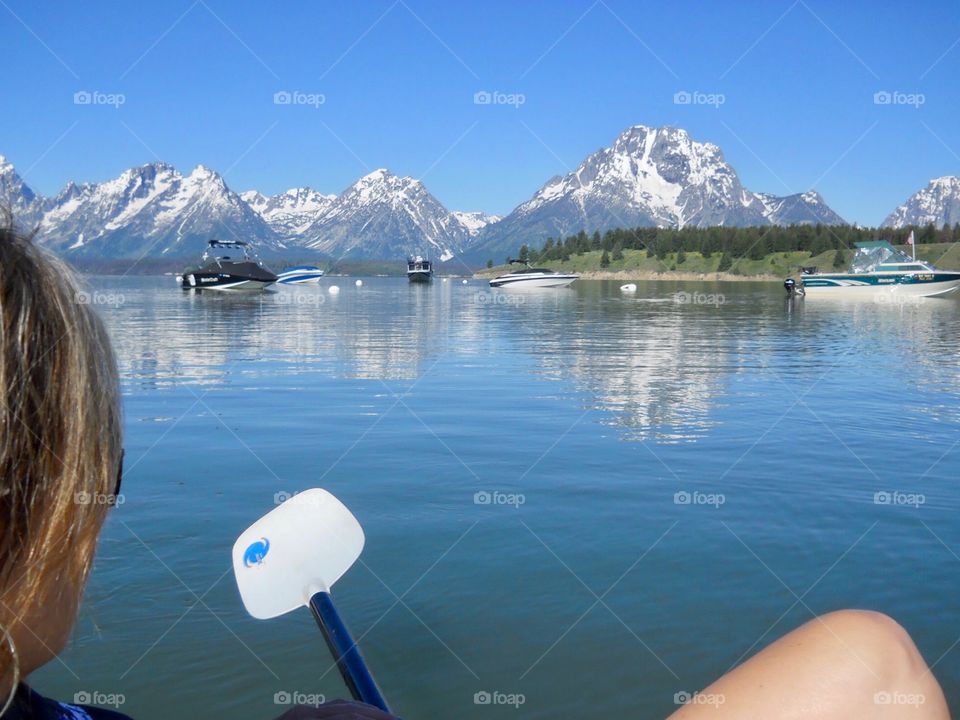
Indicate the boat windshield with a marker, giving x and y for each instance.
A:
(880, 255)
(229, 250)
(526, 270)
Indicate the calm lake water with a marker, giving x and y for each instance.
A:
(696, 479)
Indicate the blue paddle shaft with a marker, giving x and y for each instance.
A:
(345, 651)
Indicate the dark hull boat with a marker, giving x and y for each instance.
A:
(419, 270)
(227, 265)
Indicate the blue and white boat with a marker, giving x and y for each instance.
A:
(300, 274)
(880, 269)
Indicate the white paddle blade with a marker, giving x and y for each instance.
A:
(297, 549)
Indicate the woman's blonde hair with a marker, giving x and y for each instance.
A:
(60, 435)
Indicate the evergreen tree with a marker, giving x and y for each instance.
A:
(524, 253)
(838, 259)
(618, 252)
(489, 263)
(725, 263)
(681, 257)
(604, 260)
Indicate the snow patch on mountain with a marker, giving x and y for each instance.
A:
(289, 213)
(937, 203)
(149, 210)
(383, 215)
(474, 222)
(649, 177)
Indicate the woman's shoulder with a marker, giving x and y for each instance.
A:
(31, 705)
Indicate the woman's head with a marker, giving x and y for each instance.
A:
(60, 447)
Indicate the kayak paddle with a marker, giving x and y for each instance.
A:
(291, 557)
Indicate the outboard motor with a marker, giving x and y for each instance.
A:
(793, 290)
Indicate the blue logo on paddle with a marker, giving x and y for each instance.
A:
(257, 551)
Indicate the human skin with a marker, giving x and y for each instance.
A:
(846, 664)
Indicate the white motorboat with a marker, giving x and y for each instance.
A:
(531, 277)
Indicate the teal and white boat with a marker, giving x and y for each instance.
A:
(880, 269)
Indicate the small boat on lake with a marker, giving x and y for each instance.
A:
(531, 277)
(419, 270)
(300, 275)
(877, 269)
(227, 265)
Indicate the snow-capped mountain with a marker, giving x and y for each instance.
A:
(799, 209)
(474, 222)
(648, 177)
(937, 203)
(383, 215)
(150, 210)
(653, 177)
(16, 196)
(289, 213)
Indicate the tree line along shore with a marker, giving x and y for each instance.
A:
(758, 253)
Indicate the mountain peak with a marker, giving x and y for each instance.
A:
(377, 175)
(946, 181)
(649, 177)
(291, 212)
(202, 171)
(937, 203)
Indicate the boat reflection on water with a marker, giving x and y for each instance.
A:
(363, 332)
(650, 365)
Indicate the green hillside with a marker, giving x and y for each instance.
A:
(777, 265)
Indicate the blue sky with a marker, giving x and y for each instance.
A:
(398, 80)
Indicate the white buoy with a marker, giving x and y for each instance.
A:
(359, 283)
(444, 280)
(333, 290)
(628, 288)
(464, 282)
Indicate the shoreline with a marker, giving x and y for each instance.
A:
(666, 275)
